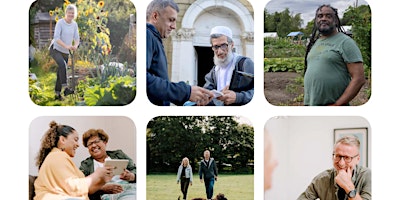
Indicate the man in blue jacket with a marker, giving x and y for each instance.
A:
(161, 20)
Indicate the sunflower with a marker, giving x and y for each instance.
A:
(51, 13)
(56, 18)
(100, 4)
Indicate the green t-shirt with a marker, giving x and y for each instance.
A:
(327, 76)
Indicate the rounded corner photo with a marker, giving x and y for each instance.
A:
(90, 157)
(317, 53)
(318, 157)
(203, 56)
(199, 157)
(82, 53)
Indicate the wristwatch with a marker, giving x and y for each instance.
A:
(352, 193)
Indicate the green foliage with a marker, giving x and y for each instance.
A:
(169, 139)
(360, 19)
(41, 91)
(293, 64)
(118, 22)
(92, 22)
(119, 91)
(282, 22)
(282, 47)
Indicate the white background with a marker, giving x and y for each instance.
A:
(18, 111)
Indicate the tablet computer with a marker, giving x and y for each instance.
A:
(118, 164)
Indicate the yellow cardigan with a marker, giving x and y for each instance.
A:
(59, 178)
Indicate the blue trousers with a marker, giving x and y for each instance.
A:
(209, 183)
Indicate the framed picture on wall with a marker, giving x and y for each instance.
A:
(362, 135)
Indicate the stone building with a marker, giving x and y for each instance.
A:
(188, 49)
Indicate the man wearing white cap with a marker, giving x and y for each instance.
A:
(232, 74)
(161, 18)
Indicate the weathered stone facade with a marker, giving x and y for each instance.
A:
(195, 20)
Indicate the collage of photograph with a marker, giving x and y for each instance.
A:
(199, 100)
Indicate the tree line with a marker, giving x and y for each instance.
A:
(358, 17)
(171, 138)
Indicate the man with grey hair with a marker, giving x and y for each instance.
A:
(232, 75)
(208, 173)
(161, 18)
(346, 180)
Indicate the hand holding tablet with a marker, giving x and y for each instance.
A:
(118, 165)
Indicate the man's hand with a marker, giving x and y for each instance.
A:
(112, 188)
(228, 97)
(200, 95)
(201, 180)
(127, 175)
(343, 179)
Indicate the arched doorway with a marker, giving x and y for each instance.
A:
(190, 58)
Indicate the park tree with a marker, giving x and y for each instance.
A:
(169, 139)
(282, 22)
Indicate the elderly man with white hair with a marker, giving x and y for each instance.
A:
(232, 77)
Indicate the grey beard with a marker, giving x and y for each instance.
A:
(223, 62)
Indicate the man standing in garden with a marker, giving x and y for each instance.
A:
(161, 18)
(208, 169)
(334, 72)
(232, 74)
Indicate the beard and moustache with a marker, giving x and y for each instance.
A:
(327, 31)
(224, 61)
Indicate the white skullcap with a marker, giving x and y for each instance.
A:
(222, 30)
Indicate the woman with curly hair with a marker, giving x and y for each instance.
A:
(58, 177)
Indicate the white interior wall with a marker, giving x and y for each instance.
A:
(121, 132)
(303, 147)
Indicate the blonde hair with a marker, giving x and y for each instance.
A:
(187, 159)
(72, 7)
(351, 140)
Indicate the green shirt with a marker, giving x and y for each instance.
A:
(323, 186)
(327, 76)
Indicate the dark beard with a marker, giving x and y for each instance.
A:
(326, 31)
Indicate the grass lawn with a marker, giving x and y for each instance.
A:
(233, 186)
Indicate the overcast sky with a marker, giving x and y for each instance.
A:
(307, 7)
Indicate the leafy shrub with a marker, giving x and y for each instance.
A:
(295, 64)
(119, 91)
(282, 47)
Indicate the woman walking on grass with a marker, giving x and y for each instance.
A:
(185, 176)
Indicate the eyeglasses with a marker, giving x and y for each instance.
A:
(222, 46)
(347, 159)
(93, 142)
